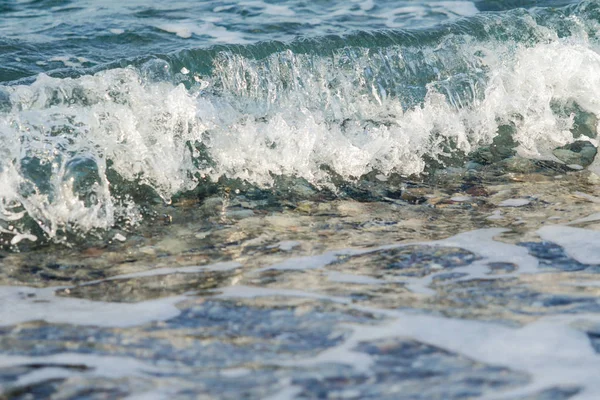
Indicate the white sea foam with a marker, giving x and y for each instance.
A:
(496, 215)
(550, 351)
(103, 366)
(460, 199)
(139, 128)
(219, 33)
(285, 245)
(67, 61)
(224, 266)
(298, 138)
(289, 392)
(514, 203)
(30, 304)
(581, 244)
(590, 218)
(341, 277)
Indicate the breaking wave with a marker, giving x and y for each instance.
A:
(77, 150)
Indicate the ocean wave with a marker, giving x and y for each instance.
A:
(77, 150)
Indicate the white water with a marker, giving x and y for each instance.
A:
(288, 114)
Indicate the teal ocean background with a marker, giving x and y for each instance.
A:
(67, 38)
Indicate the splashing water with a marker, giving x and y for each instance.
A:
(78, 150)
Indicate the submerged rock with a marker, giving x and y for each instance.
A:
(577, 153)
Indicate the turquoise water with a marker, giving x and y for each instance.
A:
(38, 35)
(41, 34)
(66, 38)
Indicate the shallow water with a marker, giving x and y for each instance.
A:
(298, 200)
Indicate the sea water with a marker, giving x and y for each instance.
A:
(294, 199)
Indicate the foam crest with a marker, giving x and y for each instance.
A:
(64, 137)
(322, 114)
